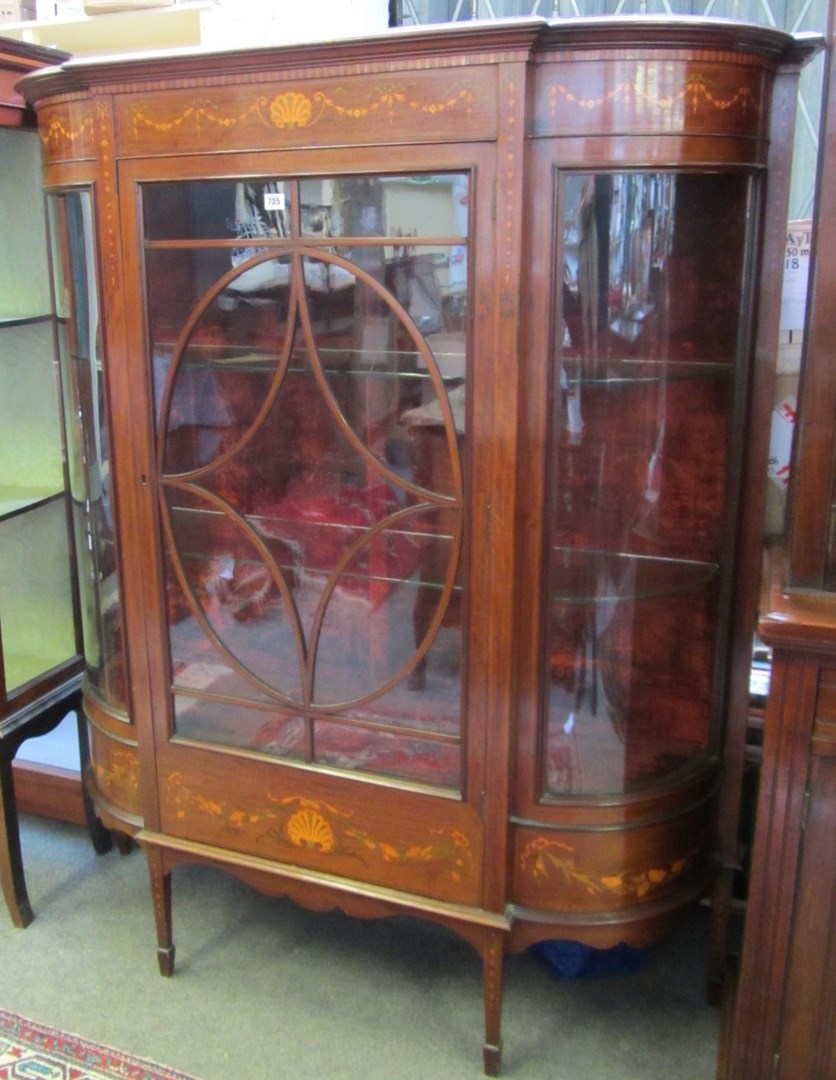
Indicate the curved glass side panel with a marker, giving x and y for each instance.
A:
(88, 444)
(310, 378)
(650, 332)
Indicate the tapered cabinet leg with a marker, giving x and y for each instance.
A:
(492, 975)
(11, 860)
(161, 893)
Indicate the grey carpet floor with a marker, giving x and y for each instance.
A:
(266, 991)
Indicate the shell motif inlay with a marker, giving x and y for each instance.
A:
(316, 826)
(308, 828)
(293, 110)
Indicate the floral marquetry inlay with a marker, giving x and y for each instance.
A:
(117, 772)
(549, 861)
(293, 109)
(67, 133)
(630, 93)
(316, 826)
(510, 179)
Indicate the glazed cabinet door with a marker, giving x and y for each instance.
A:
(645, 342)
(307, 350)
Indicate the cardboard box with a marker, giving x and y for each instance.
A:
(102, 7)
(17, 10)
(49, 10)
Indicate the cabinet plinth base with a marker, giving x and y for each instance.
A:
(486, 931)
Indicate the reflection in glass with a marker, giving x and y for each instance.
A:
(37, 627)
(643, 396)
(36, 599)
(82, 370)
(310, 405)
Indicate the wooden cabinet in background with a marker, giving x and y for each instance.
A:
(781, 1006)
(40, 641)
(428, 387)
(39, 649)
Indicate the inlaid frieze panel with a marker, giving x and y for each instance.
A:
(640, 94)
(116, 771)
(598, 870)
(393, 108)
(423, 851)
(68, 131)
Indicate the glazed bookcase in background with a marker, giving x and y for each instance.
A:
(40, 653)
(36, 594)
(437, 407)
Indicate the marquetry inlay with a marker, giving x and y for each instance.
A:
(293, 109)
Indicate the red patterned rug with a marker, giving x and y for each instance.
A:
(30, 1051)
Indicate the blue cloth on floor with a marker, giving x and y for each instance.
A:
(572, 960)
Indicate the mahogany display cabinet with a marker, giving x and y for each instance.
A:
(781, 1004)
(428, 375)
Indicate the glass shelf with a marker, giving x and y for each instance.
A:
(598, 577)
(9, 321)
(348, 577)
(631, 372)
(31, 456)
(205, 524)
(394, 363)
(17, 500)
